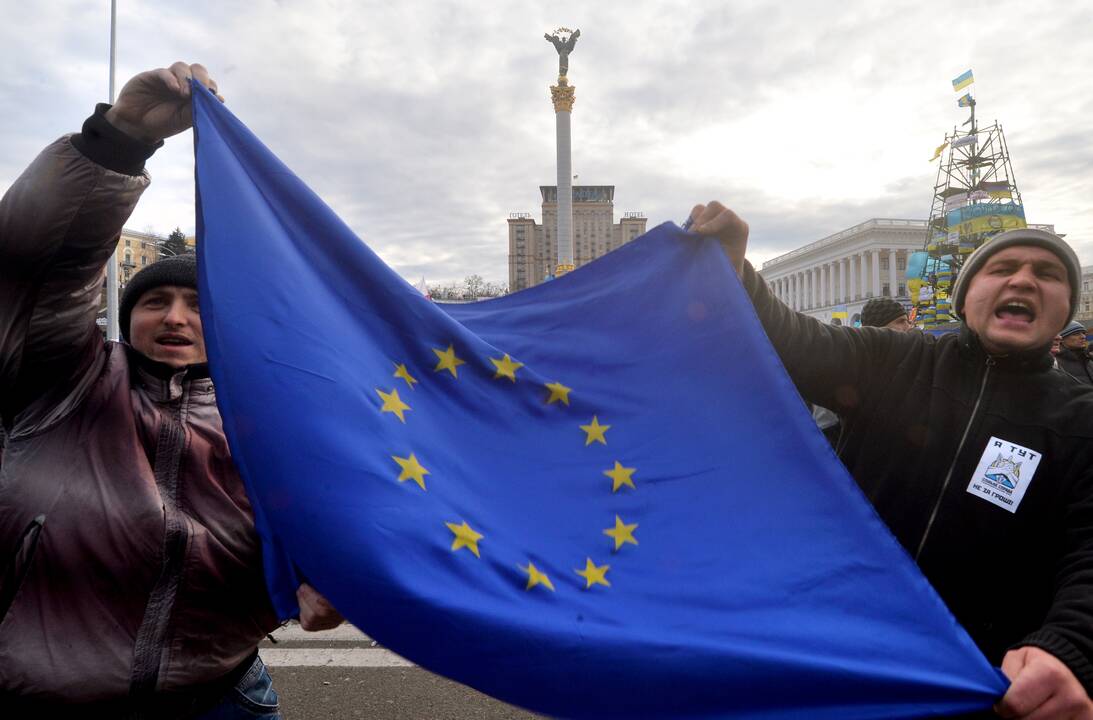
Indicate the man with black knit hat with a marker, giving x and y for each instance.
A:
(975, 451)
(1073, 357)
(130, 570)
(887, 313)
(151, 315)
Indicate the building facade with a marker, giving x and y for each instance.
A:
(842, 271)
(533, 248)
(1085, 303)
(136, 250)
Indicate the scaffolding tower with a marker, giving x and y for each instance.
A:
(975, 198)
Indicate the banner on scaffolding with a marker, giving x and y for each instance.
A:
(958, 200)
(985, 218)
(999, 189)
(963, 141)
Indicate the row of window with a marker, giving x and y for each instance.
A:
(129, 259)
(521, 253)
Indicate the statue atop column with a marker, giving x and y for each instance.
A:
(564, 41)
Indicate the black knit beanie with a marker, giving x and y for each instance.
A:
(878, 312)
(179, 270)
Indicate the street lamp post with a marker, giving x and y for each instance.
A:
(112, 266)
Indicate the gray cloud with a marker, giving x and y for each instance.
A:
(424, 126)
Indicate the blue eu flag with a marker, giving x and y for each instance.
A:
(600, 497)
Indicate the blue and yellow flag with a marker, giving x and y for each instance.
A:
(963, 80)
(965, 100)
(600, 497)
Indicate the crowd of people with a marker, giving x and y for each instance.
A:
(131, 583)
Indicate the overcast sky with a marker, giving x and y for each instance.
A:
(424, 124)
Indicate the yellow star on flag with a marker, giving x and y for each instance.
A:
(465, 537)
(594, 575)
(392, 403)
(620, 476)
(506, 367)
(622, 533)
(535, 577)
(596, 432)
(558, 393)
(411, 470)
(448, 361)
(402, 372)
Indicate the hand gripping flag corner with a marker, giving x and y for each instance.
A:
(596, 498)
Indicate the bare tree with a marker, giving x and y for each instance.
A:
(446, 291)
(472, 288)
(495, 289)
(474, 285)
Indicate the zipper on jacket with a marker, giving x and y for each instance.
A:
(956, 457)
(153, 631)
(18, 565)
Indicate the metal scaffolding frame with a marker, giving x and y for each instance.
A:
(975, 197)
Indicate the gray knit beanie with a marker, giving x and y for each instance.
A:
(1012, 238)
(1073, 328)
(179, 270)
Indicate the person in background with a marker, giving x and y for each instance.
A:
(1073, 357)
(878, 312)
(887, 313)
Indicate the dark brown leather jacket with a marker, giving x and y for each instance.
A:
(129, 562)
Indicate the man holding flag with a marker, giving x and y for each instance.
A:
(979, 461)
(130, 571)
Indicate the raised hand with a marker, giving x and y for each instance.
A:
(156, 103)
(717, 220)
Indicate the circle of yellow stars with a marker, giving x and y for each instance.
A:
(465, 537)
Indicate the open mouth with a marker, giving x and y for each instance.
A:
(173, 341)
(1016, 311)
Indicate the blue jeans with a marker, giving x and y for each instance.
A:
(252, 697)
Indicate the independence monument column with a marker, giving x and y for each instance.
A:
(562, 94)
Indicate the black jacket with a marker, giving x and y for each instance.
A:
(1077, 363)
(920, 418)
